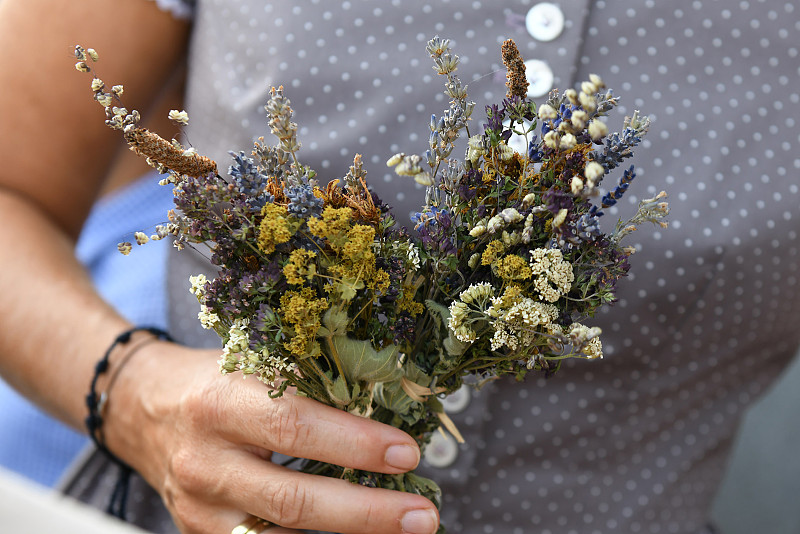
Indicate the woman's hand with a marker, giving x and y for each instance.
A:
(204, 441)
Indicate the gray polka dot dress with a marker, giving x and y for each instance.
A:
(707, 319)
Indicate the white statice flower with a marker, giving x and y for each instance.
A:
(413, 256)
(588, 102)
(181, 117)
(560, 217)
(465, 334)
(547, 112)
(593, 171)
(578, 117)
(553, 275)
(587, 339)
(511, 238)
(551, 139)
(271, 367)
(141, 238)
(208, 319)
(597, 81)
(597, 130)
(236, 353)
(511, 215)
(568, 141)
(459, 312)
(520, 325)
(506, 152)
(478, 230)
(478, 294)
(475, 148)
(198, 288)
(495, 224)
(576, 185)
(238, 339)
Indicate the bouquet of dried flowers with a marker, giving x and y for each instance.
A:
(319, 291)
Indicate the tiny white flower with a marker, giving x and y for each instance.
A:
(572, 96)
(551, 139)
(478, 231)
(576, 185)
(423, 178)
(593, 171)
(141, 238)
(495, 224)
(181, 117)
(568, 141)
(579, 118)
(588, 102)
(511, 215)
(597, 130)
(597, 81)
(394, 160)
(547, 112)
(560, 217)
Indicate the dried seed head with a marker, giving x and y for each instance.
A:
(162, 152)
(516, 81)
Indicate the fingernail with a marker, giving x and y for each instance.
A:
(403, 457)
(420, 522)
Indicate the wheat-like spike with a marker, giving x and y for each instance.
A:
(516, 81)
(151, 145)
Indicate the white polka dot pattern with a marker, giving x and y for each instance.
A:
(636, 442)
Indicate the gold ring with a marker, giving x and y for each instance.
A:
(252, 525)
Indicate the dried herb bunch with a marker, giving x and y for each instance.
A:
(319, 291)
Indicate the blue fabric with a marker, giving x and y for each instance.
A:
(32, 443)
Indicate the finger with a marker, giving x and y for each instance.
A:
(303, 501)
(213, 521)
(301, 427)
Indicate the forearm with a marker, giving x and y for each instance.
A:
(55, 326)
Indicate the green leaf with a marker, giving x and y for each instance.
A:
(435, 307)
(454, 346)
(339, 393)
(392, 397)
(335, 322)
(362, 362)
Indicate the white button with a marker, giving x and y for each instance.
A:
(540, 77)
(458, 400)
(544, 21)
(442, 451)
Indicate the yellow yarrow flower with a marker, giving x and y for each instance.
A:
(274, 228)
(333, 226)
(513, 267)
(493, 250)
(302, 310)
(299, 266)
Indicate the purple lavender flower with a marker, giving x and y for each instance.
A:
(612, 197)
(302, 201)
(249, 181)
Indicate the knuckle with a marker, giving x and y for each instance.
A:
(202, 407)
(284, 424)
(289, 502)
(186, 470)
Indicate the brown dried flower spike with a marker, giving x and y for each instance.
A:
(156, 148)
(516, 81)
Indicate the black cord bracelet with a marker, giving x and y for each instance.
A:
(94, 421)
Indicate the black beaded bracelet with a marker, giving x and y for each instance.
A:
(94, 421)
